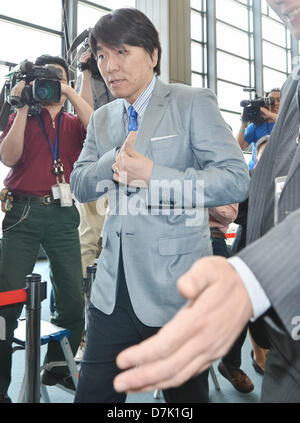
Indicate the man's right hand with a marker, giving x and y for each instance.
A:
(85, 57)
(17, 89)
(12, 145)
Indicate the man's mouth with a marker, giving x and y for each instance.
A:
(115, 82)
(291, 15)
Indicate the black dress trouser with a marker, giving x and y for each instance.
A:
(233, 358)
(107, 336)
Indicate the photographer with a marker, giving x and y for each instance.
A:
(250, 133)
(41, 150)
(93, 89)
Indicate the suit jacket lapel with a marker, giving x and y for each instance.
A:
(153, 115)
(260, 181)
(296, 160)
(117, 127)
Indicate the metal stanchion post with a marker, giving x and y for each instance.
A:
(36, 292)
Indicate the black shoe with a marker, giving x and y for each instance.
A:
(51, 378)
(4, 399)
(256, 367)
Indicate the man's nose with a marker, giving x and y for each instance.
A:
(112, 64)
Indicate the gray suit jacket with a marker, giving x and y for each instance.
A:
(274, 258)
(192, 148)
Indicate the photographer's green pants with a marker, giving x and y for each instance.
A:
(56, 229)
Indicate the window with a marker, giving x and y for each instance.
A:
(198, 43)
(234, 44)
(89, 12)
(23, 45)
(233, 40)
(88, 16)
(233, 12)
(43, 13)
(116, 3)
(276, 44)
(235, 52)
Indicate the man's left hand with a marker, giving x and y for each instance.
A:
(132, 168)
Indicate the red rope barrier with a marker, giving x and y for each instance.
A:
(13, 297)
(230, 236)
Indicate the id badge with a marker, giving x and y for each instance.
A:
(55, 192)
(65, 195)
(279, 184)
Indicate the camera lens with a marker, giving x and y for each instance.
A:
(46, 91)
(42, 93)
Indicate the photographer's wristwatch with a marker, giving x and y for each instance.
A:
(83, 66)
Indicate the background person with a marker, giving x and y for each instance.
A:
(250, 133)
(29, 146)
(93, 89)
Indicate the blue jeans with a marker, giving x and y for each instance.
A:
(56, 228)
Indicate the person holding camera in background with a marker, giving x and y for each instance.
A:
(251, 132)
(40, 150)
(90, 86)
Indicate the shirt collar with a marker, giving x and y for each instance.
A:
(142, 101)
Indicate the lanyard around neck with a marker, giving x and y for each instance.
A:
(54, 150)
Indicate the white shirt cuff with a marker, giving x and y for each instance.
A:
(260, 302)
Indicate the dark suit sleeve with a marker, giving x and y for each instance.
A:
(274, 260)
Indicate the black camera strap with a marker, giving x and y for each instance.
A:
(58, 168)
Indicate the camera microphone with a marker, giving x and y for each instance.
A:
(245, 103)
(26, 66)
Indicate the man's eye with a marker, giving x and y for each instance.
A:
(121, 51)
(100, 57)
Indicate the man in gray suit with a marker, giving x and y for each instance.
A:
(262, 280)
(178, 158)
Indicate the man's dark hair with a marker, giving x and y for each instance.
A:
(47, 59)
(126, 26)
(274, 90)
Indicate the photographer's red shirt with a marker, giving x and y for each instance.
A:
(32, 175)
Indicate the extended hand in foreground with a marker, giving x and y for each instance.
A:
(200, 333)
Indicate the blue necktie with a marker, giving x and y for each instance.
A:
(133, 123)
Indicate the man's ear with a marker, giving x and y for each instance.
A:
(154, 57)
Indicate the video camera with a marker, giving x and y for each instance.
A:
(251, 112)
(45, 89)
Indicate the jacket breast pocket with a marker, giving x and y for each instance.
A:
(182, 244)
(164, 142)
